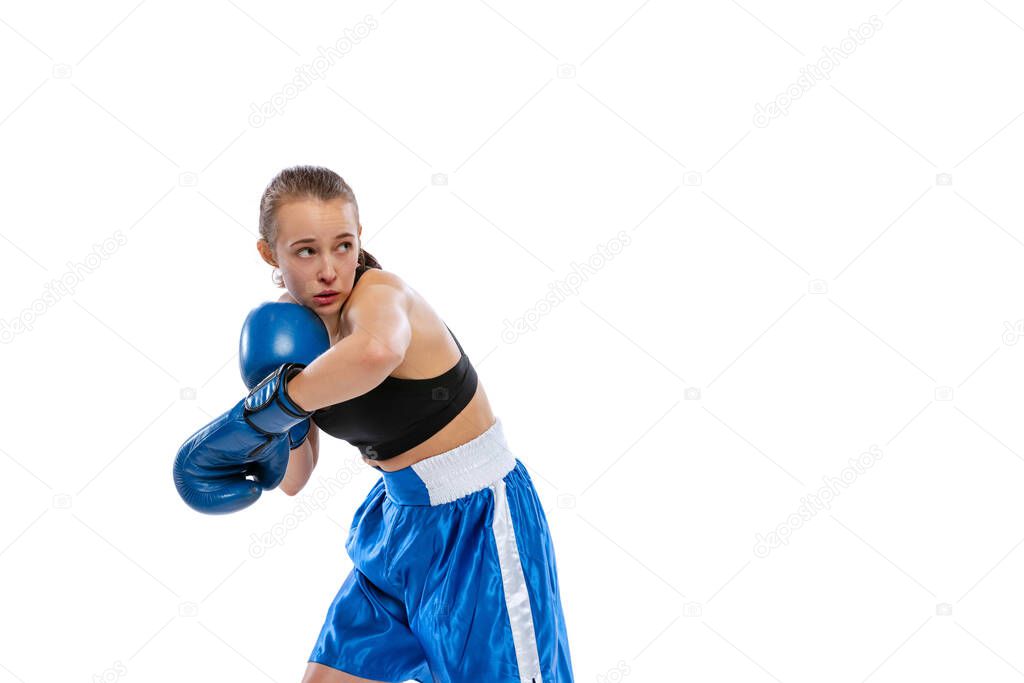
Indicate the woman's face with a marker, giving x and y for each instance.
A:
(317, 251)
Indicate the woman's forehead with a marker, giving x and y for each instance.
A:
(316, 217)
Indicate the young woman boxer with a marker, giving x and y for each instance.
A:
(454, 577)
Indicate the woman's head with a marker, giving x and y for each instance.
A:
(310, 230)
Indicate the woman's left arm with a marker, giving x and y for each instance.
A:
(360, 361)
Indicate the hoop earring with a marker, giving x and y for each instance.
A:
(276, 277)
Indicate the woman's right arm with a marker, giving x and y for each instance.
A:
(301, 462)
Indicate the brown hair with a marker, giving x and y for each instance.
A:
(305, 182)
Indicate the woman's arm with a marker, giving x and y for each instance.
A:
(380, 337)
(301, 462)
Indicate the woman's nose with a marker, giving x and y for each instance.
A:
(327, 271)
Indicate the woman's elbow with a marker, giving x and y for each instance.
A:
(290, 489)
(301, 462)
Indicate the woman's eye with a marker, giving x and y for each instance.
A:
(302, 252)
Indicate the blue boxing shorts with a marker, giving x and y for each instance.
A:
(454, 577)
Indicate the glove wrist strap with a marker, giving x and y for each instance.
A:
(269, 408)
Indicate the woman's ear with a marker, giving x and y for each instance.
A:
(264, 248)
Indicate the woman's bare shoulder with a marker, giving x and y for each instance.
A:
(383, 277)
(374, 277)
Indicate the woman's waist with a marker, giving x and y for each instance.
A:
(448, 476)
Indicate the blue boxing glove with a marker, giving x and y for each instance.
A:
(212, 468)
(278, 333)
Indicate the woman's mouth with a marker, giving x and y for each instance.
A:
(325, 298)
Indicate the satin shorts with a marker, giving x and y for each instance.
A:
(454, 577)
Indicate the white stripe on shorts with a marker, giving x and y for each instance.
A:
(517, 599)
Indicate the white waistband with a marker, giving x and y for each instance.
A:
(467, 468)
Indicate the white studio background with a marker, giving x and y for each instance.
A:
(742, 280)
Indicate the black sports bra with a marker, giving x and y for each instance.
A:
(400, 413)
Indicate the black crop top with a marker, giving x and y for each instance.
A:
(400, 413)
